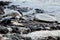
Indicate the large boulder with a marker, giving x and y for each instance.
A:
(45, 17)
(12, 13)
(43, 34)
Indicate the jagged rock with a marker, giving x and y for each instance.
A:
(12, 13)
(15, 30)
(2, 10)
(5, 22)
(4, 31)
(39, 11)
(3, 3)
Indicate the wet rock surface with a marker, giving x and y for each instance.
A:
(21, 23)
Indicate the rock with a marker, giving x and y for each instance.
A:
(47, 28)
(40, 34)
(5, 38)
(58, 27)
(28, 18)
(45, 18)
(14, 38)
(12, 7)
(10, 29)
(3, 3)
(2, 10)
(58, 38)
(15, 30)
(4, 31)
(16, 23)
(5, 22)
(20, 12)
(39, 11)
(53, 28)
(36, 28)
(12, 13)
(27, 38)
(51, 38)
(24, 30)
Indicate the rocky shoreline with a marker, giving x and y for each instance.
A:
(24, 23)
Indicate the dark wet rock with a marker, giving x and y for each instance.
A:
(1, 10)
(20, 12)
(39, 11)
(15, 30)
(12, 7)
(14, 38)
(58, 38)
(4, 31)
(5, 35)
(5, 22)
(36, 28)
(58, 27)
(53, 28)
(51, 38)
(3, 3)
(27, 38)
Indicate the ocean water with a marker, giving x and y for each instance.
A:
(51, 7)
(47, 5)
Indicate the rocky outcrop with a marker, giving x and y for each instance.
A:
(27, 23)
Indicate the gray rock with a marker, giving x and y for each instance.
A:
(5, 22)
(24, 30)
(39, 11)
(45, 17)
(2, 10)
